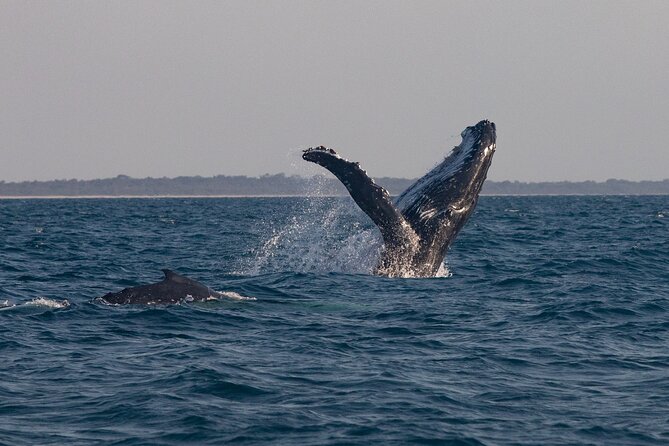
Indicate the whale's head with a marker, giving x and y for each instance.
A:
(479, 141)
(458, 179)
(465, 169)
(462, 173)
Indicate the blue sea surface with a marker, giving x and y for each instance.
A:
(549, 324)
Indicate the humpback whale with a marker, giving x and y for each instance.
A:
(174, 288)
(419, 226)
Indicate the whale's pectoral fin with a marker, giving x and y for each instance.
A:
(373, 199)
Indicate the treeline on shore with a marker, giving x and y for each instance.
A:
(280, 184)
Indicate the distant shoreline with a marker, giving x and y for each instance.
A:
(109, 197)
(280, 185)
(113, 197)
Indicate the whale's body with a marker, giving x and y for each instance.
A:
(174, 288)
(424, 220)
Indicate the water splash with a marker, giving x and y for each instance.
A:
(235, 296)
(324, 234)
(443, 271)
(48, 303)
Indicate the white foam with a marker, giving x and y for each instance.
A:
(443, 271)
(235, 296)
(49, 303)
(410, 273)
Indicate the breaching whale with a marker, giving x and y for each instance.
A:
(174, 288)
(421, 224)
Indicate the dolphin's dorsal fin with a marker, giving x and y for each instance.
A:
(173, 277)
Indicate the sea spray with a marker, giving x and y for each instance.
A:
(325, 234)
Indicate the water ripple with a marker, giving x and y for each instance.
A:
(552, 328)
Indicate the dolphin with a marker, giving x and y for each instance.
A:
(174, 288)
(420, 225)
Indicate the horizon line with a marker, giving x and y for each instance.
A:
(303, 177)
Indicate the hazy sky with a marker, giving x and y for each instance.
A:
(578, 89)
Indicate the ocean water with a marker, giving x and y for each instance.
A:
(549, 324)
